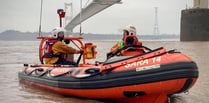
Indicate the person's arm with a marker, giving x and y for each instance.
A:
(60, 47)
(116, 47)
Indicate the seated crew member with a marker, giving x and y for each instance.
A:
(129, 39)
(129, 30)
(55, 49)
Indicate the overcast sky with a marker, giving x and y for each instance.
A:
(23, 15)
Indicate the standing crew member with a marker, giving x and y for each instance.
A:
(55, 49)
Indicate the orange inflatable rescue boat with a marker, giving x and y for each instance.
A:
(128, 74)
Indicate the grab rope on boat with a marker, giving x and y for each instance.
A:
(39, 72)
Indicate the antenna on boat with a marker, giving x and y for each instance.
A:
(40, 19)
(80, 17)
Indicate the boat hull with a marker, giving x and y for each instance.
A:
(123, 85)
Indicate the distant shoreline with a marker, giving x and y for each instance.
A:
(12, 35)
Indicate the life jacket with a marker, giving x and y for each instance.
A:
(129, 46)
(48, 53)
(128, 41)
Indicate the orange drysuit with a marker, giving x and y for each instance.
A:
(116, 46)
(60, 48)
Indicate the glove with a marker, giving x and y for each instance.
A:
(81, 51)
(67, 41)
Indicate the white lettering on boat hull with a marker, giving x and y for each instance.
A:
(148, 67)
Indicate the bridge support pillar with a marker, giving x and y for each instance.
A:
(194, 25)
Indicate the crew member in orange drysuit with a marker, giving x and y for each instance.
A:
(55, 49)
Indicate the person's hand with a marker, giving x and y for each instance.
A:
(81, 51)
(67, 41)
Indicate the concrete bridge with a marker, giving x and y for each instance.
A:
(93, 8)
